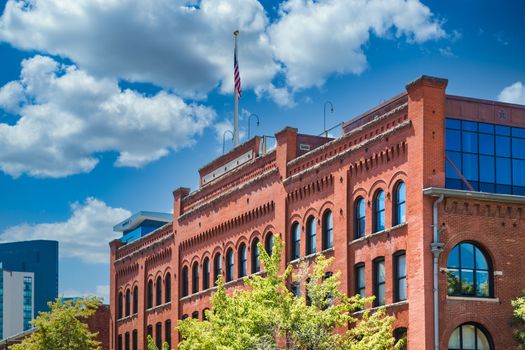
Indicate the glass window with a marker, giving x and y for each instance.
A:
(128, 302)
(167, 330)
(135, 339)
(470, 166)
(135, 300)
(311, 236)
(126, 341)
(158, 335)
(503, 171)
(518, 132)
(217, 268)
(243, 261)
(158, 287)
(256, 259)
(400, 277)
(453, 140)
(487, 169)
(206, 274)
(360, 280)
(328, 228)
(502, 130)
(150, 294)
(195, 277)
(486, 144)
(453, 124)
(268, 243)
(379, 211)
(296, 289)
(469, 337)
(119, 342)
(518, 148)
(401, 333)
(167, 288)
(468, 125)
(185, 282)
(486, 128)
(229, 265)
(469, 271)
(379, 282)
(469, 142)
(359, 218)
(399, 203)
(296, 241)
(120, 305)
(503, 146)
(195, 315)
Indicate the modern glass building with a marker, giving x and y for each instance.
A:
(17, 302)
(39, 257)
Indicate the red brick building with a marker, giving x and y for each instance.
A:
(424, 187)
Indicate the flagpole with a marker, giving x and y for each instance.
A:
(236, 106)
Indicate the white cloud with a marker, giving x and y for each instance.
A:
(314, 39)
(68, 116)
(101, 291)
(85, 235)
(514, 93)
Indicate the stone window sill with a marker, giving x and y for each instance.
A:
(465, 298)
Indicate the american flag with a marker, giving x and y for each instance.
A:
(236, 75)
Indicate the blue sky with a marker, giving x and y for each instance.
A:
(105, 110)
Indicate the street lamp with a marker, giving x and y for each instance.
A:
(324, 115)
(252, 115)
(224, 138)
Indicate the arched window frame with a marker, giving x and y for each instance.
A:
(135, 300)
(311, 235)
(195, 277)
(150, 294)
(328, 229)
(379, 211)
(296, 241)
(256, 259)
(158, 291)
(206, 273)
(399, 204)
(230, 265)
(476, 271)
(167, 288)
(128, 302)
(217, 267)
(457, 333)
(269, 242)
(359, 218)
(243, 261)
(185, 282)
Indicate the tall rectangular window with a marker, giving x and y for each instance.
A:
(490, 157)
(119, 342)
(167, 330)
(158, 335)
(379, 281)
(360, 280)
(400, 277)
(126, 341)
(135, 340)
(28, 302)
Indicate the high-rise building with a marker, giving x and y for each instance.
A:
(39, 257)
(420, 201)
(17, 292)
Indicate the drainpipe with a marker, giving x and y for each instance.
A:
(436, 248)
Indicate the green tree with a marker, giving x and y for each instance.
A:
(62, 328)
(266, 315)
(519, 316)
(152, 346)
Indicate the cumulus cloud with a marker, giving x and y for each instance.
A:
(514, 93)
(314, 39)
(68, 116)
(84, 235)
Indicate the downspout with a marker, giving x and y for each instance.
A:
(437, 248)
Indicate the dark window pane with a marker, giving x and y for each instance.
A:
(453, 183)
(503, 171)
(453, 141)
(486, 169)
(469, 142)
(467, 255)
(453, 257)
(470, 166)
(502, 130)
(518, 190)
(505, 189)
(471, 126)
(486, 144)
(518, 172)
(455, 158)
(487, 187)
(486, 128)
(502, 146)
(453, 124)
(518, 148)
(518, 132)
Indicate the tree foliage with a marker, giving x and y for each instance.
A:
(519, 315)
(153, 346)
(266, 315)
(62, 328)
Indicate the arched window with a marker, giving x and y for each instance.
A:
(217, 267)
(256, 261)
(359, 218)
(195, 277)
(167, 288)
(400, 209)
(379, 211)
(243, 261)
(205, 314)
(158, 335)
(296, 241)
(167, 333)
(120, 312)
(229, 265)
(470, 336)
(158, 291)
(184, 280)
(128, 302)
(206, 274)
(150, 294)
(328, 229)
(401, 333)
(268, 243)
(135, 300)
(469, 271)
(195, 315)
(311, 235)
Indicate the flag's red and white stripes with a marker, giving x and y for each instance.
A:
(236, 75)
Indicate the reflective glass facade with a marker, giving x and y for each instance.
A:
(491, 157)
(28, 302)
(1, 304)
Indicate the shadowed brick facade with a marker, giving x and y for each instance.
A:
(402, 141)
